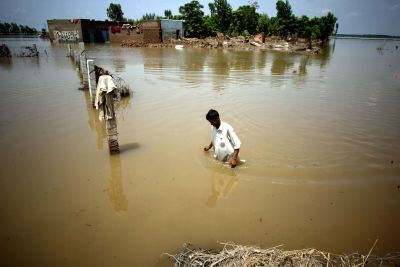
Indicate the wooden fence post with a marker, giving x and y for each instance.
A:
(112, 134)
(91, 80)
(83, 63)
(111, 124)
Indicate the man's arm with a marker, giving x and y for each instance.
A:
(235, 141)
(234, 158)
(206, 148)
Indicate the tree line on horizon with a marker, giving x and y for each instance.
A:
(245, 20)
(14, 28)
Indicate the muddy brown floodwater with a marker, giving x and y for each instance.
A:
(320, 133)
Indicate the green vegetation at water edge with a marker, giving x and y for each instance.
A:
(245, 20)
(14, 28)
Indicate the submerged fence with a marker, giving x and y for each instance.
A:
(90, 74)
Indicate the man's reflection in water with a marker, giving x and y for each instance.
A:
(115, 190)
(224, 180)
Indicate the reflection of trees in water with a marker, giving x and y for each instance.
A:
(260, 58)
(243, 60)
(115, 190)
(304, 61)
(193, 60)
(6, 63)
(224, 62)
(325, 54)
(281, 63)
(153, 58)
(219, 64)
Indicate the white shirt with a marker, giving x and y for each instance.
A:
(224, 140)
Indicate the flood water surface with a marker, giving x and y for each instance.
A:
(320, 135)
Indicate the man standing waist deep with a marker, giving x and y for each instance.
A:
(224, 140)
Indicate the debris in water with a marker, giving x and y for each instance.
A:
(236, 255)
(28, 51)
(4, 51)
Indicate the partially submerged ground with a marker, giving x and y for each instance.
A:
(237, 43)
(235, 255)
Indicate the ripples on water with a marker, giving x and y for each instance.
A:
(320, 136)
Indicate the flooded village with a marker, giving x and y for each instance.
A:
(103, 126)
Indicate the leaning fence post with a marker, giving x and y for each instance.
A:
(111, 126)
(83, 64)
(91, 80)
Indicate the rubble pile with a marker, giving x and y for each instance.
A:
(4, 51)
(28, 51)
(133, 43)
(236, 43)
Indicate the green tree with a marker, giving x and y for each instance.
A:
(23, 29)
(168, 13)
(193, 16)
(7, 26)
(114, 12)
(3, 28)
(274, 26)
(245, 18)
(221, 14)
(284, 10)
(149, 16)
(15, 28)
(263, 25)
(285, 18)
(208, 26)
(305, 29)
(327, 26)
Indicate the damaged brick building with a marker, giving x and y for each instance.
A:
(79, 30)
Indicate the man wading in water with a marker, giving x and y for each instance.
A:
(224, 139)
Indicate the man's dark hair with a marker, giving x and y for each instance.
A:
(212, 115)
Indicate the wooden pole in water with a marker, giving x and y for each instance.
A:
(70, 52)
(112, 133)
(83, 64)
(111, 124)
(91, 80)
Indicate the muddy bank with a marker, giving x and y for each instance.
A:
(236, 43)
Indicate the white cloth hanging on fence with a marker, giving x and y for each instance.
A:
(104, 97)
(105, 85)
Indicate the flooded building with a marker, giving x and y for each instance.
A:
(79, 30)
(149, 31)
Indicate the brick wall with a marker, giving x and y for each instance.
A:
(152, 35)
(126, 35)
(65, 30)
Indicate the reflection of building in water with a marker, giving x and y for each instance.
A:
(119, 63)
(153, 58)
(115, 190)
(223, 184)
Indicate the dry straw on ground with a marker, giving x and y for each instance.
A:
(235, 255)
